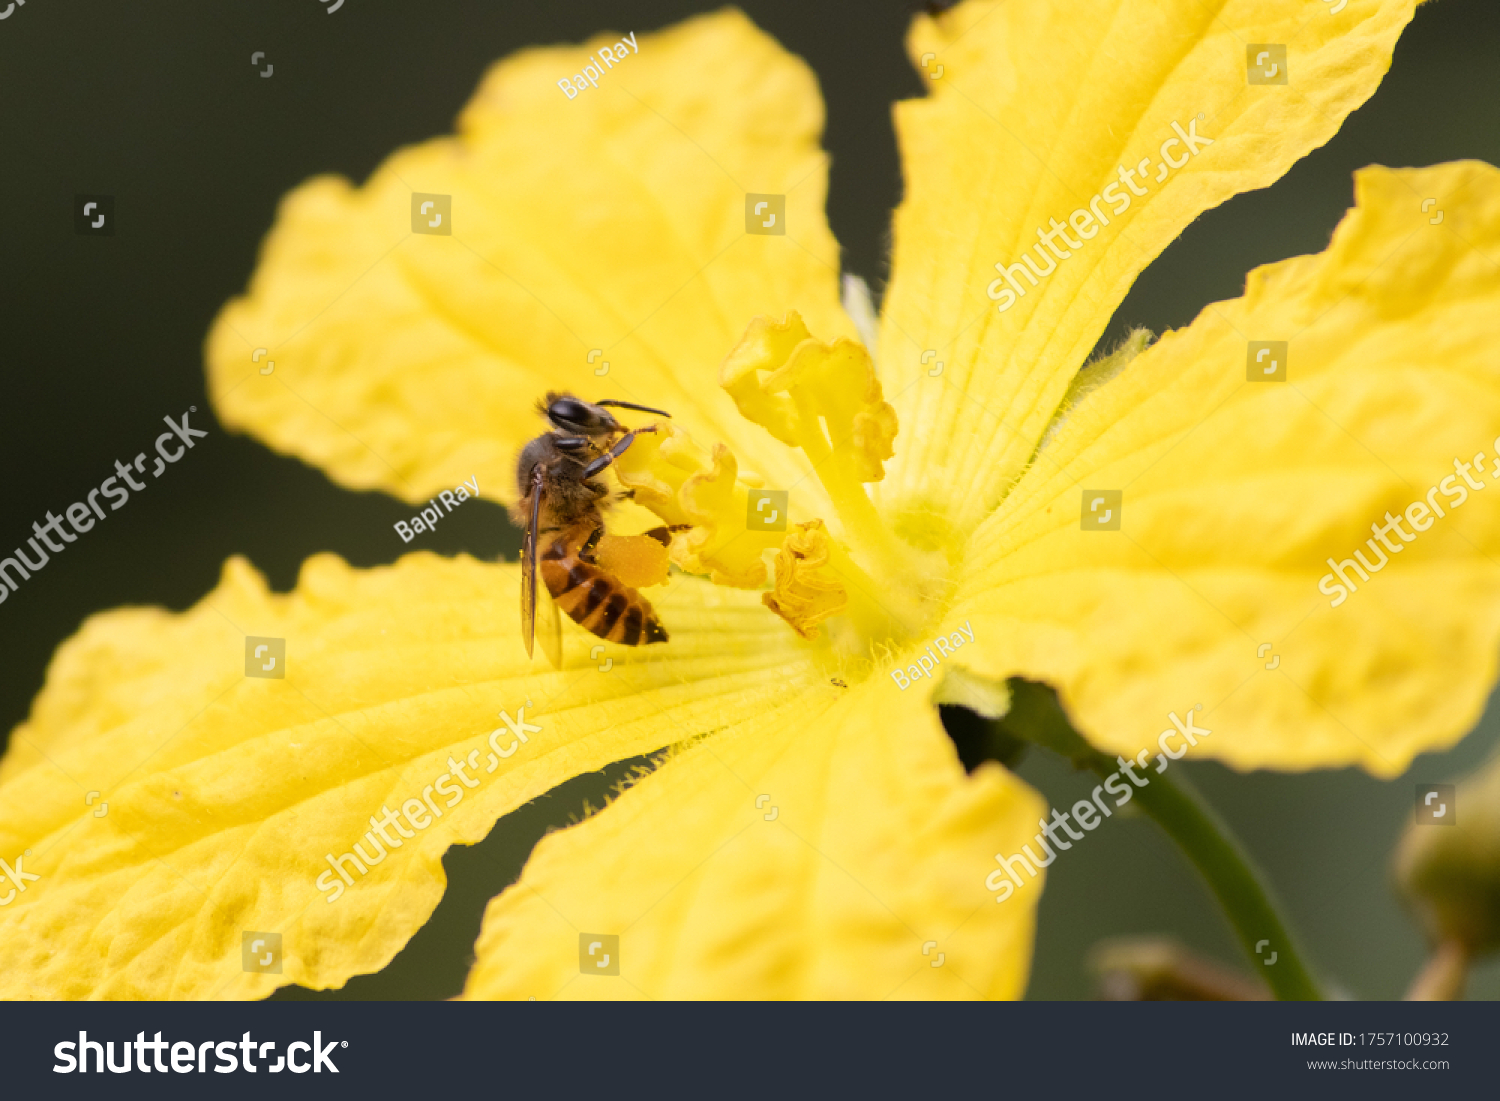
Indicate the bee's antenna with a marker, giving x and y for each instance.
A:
(637, 408)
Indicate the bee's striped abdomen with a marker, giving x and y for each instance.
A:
(595, 599)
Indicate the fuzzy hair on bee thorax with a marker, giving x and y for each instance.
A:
(567, 498)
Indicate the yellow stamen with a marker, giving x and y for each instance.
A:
(807, 590)
(826, 400)
(685, 485)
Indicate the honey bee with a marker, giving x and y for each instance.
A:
(562, 509)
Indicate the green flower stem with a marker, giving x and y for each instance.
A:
(1172, 803)
(1207, 842)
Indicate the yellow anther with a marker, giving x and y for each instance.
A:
(808, 589)
(826, 400)
(685, 485)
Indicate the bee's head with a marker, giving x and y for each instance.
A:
(586, 418)
(576, 416)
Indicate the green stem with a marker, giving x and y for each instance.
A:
(1037, 717)
(1207, 842)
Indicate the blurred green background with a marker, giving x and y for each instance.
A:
(159, 105)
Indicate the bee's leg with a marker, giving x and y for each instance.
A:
(616, 451)
(663, 534)
(586, 552)
(572, 443)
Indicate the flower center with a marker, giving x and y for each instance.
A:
(869, 586)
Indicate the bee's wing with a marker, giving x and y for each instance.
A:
(550, 633)
(528, 563)
(551, 622)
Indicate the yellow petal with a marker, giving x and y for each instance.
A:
(170, 803)
(598, 244)
(1217, 587)
(1038, 109)
(833, 848)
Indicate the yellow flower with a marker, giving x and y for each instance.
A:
(811, 832)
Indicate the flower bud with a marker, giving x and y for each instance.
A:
(1450, 875)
